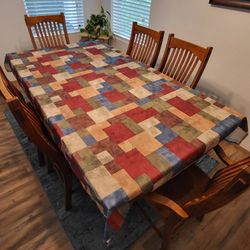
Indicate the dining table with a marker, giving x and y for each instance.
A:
(125, 128)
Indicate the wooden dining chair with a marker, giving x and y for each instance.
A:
(145, 44)
(193, 194)
(14, 91)
(10, 87)
(50, 31)
(183, 60)
(37, 134)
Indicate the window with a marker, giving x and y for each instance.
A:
(72, 9)
(124, 12)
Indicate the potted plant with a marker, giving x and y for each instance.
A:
(98, 26)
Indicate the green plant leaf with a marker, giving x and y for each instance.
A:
(98, 24)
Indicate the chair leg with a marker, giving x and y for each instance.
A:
(49, 167)
(200, 218)
(149, 220)
(68, 192)
(65, 175)
(171, 225)
(41, 158)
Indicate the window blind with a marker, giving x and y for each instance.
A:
(72, 9)
(124, 12)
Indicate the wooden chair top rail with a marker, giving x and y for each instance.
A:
(156, 35)
(32, 20)
(199, 51)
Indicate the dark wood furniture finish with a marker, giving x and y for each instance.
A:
(10, 87)
(244, 4)
(38, 135)
(145, 44)
(50, 30)
(183, 59)
(14, 91)
(193, 194)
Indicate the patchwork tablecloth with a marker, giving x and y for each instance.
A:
(125, 128)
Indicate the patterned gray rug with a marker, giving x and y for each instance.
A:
(84, 224)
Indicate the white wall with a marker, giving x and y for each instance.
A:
(13, 33)
(228, 30)
(91, 7)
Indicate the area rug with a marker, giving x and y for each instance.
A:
(83, 223)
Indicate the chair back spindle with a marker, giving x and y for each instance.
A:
(183, 59)
(226, 185)
(50, 31)
(145, 44)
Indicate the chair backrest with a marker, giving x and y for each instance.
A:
(30, 123)
(183, 59)
(32, 127)
(4, 88)
(50, 30)
(8, 89)
(226, 185)
(145, 44)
